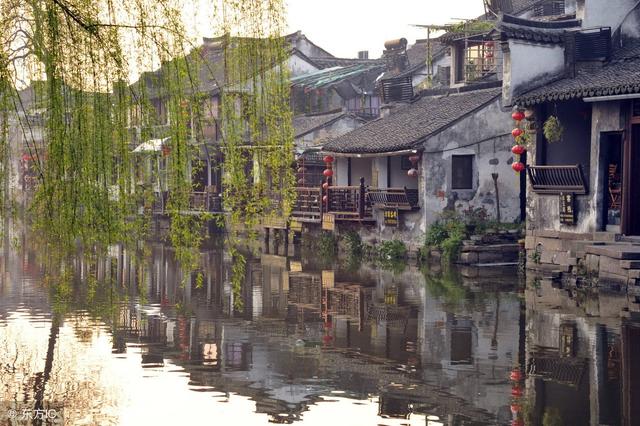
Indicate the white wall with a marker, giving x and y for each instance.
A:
(605, 13)
(527, 65)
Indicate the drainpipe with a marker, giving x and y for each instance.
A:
(494, 176)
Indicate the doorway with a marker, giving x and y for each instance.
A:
(631, 181)
(612, 148)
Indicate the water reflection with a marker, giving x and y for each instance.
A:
(144, 343)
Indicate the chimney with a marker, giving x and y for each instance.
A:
(363, 54)
(395, 54)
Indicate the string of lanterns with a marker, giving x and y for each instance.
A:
(413, 171)
(519, 135)
(328, 174)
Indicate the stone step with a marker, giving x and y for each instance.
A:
(606, 236)
(616, 251)
(630, 264)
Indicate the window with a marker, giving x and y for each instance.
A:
(549, 8)
(462, 172)
(475, 59)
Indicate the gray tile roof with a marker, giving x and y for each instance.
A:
(410, 124)
(619, 76)
(303, 124)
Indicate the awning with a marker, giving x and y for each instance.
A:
(152, 145)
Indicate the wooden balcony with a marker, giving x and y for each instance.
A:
(351, 203)
(199, 202)
(393, 198)
(557, 179)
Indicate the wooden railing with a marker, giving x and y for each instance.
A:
(393, 198)
(348, 203)
(557, 179)
(308, 204)
(351, 202)
(199, 202)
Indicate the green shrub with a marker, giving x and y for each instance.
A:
(436, 234)
(390, 250)
(354, 243)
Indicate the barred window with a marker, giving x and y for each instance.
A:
(462, 172)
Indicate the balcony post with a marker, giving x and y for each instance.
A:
(361, 199)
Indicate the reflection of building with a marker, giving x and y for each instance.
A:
(579, 357)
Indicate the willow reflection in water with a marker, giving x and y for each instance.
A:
(144, 344)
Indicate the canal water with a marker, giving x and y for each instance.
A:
(130, 339)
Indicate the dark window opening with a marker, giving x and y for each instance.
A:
(549, 8)
(462, 172)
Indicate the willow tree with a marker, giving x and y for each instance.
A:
(84, 53)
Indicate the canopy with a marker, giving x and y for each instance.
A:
(152, 145)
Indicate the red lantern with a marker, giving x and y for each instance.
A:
(515, 375)
(516, 391)
(518, 166)
(327, 173)
(489, 44)
(325, 198)
(165, 151)
(518, 149)
(325, 186)
(414, 158)
(26, 157)
(412, 173)
(517, 132)
(328, 159)
(489, 54)
(517, 422)
(518, 116)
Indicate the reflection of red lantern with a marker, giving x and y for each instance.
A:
(515, 375)
(518, 166)
(327, 339)
(327, 172)
(517, 116)
(515, 408)
(325, 185)
(328, 159)
(517, 422)
(414, 158)
(517, 132)
(412, 173)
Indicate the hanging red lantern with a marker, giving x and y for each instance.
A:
(414, 158)
(516, 391)
(518, 116)
(519, 149)
(517, 132)
(489, 54)
(515, 375)
(165, 151)
(325, 198)
(325, 186)
(327, 172)
(518, 166)
(328, 159)
(412, 173)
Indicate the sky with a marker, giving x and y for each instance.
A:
(344, 27)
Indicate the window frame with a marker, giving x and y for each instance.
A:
(471, 158)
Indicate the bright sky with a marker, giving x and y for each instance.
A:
(343, 27)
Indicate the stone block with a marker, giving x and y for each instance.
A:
(608, 264)
(490, 257)
(469, 258)
(530, 242)
(592, 262)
